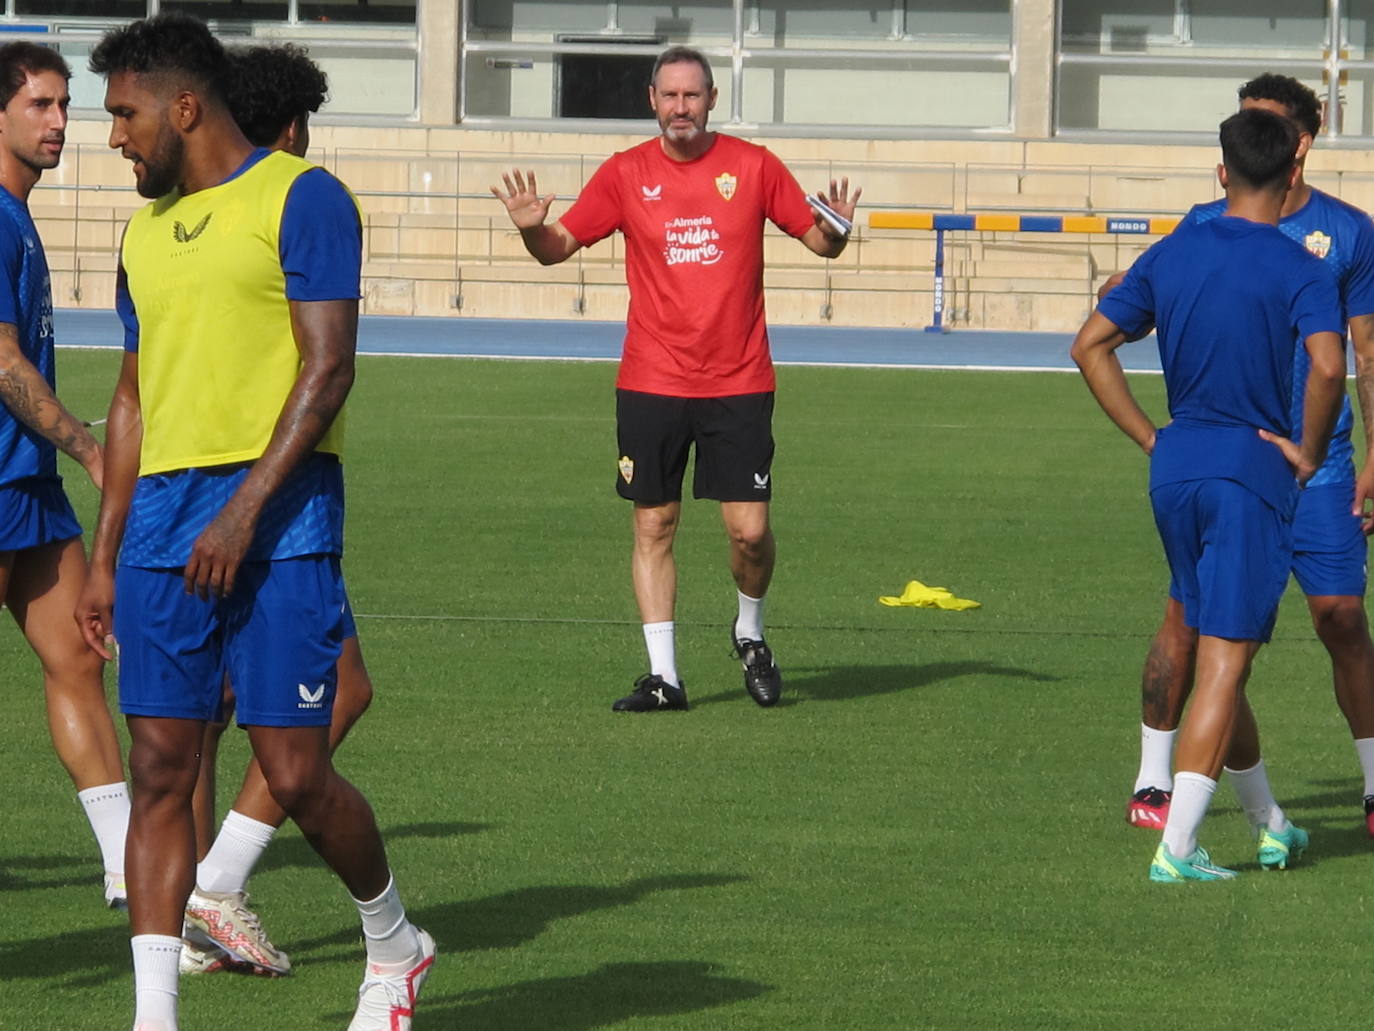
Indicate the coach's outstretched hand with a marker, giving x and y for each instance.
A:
(822, 238)
(549, 244)
(839, 198)
(524, 205)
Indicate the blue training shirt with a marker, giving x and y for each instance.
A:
(1343, 237)
(321, 255)
(1230, 300)
(25, 303)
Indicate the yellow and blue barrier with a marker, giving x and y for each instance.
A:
(941, 223)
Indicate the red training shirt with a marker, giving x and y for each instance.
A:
(694, 261)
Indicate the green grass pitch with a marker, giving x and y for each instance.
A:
(927, 833)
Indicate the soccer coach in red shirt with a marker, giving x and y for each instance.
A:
(696, 369)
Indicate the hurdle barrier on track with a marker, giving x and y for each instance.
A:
(941, 223)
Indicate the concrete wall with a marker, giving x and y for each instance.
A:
(437, 243)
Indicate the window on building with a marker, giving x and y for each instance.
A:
(110, 9)
(368, 48)
(604, 85)
(391, 12)
(854, 66)
(1174, 65)
(230, 10)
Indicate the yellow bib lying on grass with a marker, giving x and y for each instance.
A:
(918, 595)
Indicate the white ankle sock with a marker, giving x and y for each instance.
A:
(749, 622)
(156, 979)
(390, 937)
(1156, 759)
(1256, 798)
(660, 641)
(235, 852)
(1364, 747)
(1192, 794)
(107, 809)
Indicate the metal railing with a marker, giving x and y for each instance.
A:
(437, 239)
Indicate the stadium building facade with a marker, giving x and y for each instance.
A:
(1063, 107)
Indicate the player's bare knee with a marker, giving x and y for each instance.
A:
(655, 536)
(67, 659)
(751, 541)
(1340, 622)
(86, 667)
(1174, 649)
(656, 521)
(161, 775)
(296, 787)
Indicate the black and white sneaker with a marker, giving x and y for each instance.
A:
(762, 678)
(652, 694)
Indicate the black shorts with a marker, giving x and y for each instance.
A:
(733, 438)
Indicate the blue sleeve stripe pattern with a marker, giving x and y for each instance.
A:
(321, 240)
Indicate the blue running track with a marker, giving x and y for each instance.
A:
(600, 341)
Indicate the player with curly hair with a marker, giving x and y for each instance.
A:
(220, 530)
(273, 92)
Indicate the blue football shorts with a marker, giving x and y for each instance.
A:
(1329, 550)
(1229, 554)
(34, 512)
(278, 636)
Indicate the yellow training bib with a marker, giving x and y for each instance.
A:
(216, 356)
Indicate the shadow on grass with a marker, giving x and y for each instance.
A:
(27, 873)
(1334, 818)
(1334, 838)
(74, 959)
(834, 685)
(515, 917)
(1347, 800)
(608, 995)
(295, 851)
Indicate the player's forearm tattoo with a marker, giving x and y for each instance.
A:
(30, 400)
(1364, 388)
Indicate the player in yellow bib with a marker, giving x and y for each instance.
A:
(220, 529)
(273, 92)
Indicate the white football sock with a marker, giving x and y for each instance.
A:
(1255, 797)
(107, 808)
(1364, 747)
(659, 639)
(235, 852)
(156, 979)
(749, 622)
(390, 937)
(1192, 794)
(1156, 759)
